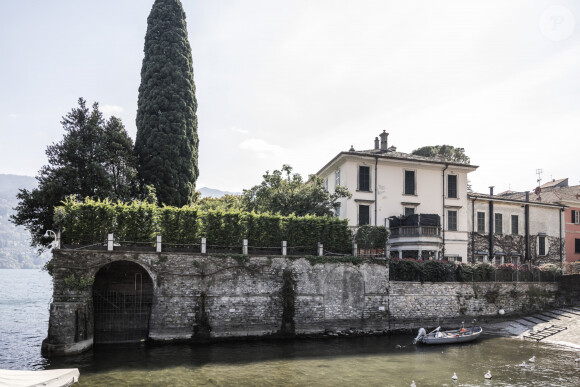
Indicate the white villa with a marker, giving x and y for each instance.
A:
(422, 200)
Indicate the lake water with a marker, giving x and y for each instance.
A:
(361, 361)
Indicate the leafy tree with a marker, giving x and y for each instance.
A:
(94, 159)
(290, 194)
(225, 203)
(167, 142)
(447, 152)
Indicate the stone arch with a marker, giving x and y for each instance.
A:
(122, 298)
(344, 291)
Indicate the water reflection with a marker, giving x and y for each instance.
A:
(364, 361)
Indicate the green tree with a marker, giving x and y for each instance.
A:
(94, 159)
(167, 142)
(120, 161)
(447, 152)
(290, 194)
(225, 203)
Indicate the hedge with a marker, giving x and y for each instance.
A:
(90, 221)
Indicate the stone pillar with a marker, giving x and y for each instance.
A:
(245, 247)
(158, 244)
(320, 249)
(400, 254)
(203, 245)
(284, 248)
(354, 249)
(110, 242)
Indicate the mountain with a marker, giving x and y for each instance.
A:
(15, 250)
(214, 193)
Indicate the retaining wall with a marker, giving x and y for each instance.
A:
(201, 297)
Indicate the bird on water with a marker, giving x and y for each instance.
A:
(488, 375)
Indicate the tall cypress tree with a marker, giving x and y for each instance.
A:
(167, 139)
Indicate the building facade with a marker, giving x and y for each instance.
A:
(507, 230)
(422, 200)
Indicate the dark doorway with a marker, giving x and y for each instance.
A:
(122, 297)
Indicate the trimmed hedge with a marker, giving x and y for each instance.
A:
(90, 221)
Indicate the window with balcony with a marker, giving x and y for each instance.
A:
(364, 214)
(452, 186)
(481, 222)
(409, 211)
(410, 188)
(452, 220)
(498, 224)
(515, 225)
(364, 178)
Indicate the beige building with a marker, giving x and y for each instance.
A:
(422, 200)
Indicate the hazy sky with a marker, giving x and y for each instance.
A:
(296, 82)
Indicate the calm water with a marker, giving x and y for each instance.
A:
(364, 361)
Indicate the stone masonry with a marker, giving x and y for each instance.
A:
(199, 297)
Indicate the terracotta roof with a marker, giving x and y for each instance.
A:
(555, 183)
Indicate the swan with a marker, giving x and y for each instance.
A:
(532, 359)
(488, 375)
(454, 377)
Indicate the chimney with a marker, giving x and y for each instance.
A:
(376, 143)
(384, 145)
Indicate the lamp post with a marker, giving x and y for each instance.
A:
(54, 235)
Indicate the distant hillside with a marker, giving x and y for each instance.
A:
(15, 250)
(214, 193)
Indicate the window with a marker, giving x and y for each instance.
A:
(326, 184)
(498, 224)
(575, 216)
(409, 211)
(577, 246)
(452, 186)
(337, 178)
(481, 222)
(364, 215)
(452, 220)
(364, 178)
(541, 245)
(515, 225)
(409, 182)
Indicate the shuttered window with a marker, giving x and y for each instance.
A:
(364, 178)
(409, 182)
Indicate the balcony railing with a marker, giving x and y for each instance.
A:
(414, 231)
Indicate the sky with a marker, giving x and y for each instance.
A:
(298, 81)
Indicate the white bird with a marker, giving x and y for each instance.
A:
(454, 377)
(523, 364)
(413, 384)
(577, 360)
(532, 359)
(488, 375)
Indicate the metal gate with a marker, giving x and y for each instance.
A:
(122, 312)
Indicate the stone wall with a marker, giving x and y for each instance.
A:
(199, 297)
(413, 304)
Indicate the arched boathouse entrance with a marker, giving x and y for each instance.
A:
(122, 298)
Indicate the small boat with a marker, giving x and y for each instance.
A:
(437, 336)
(51, 378)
